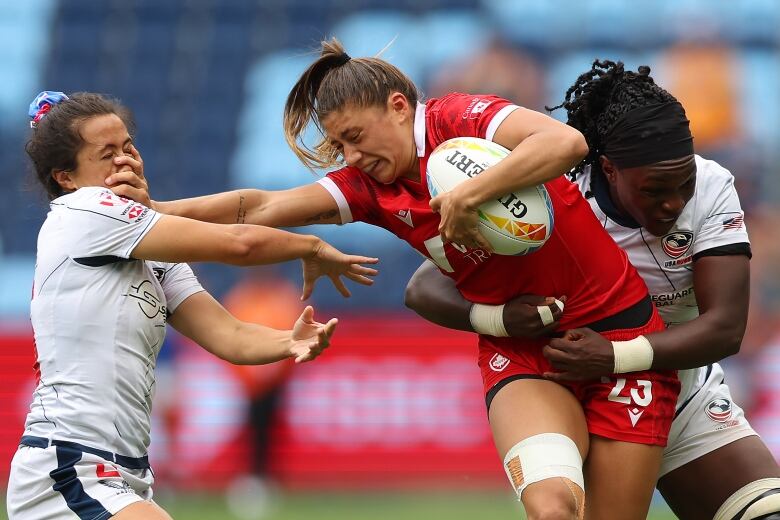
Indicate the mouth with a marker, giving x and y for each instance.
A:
(661, 226)
(371, 167)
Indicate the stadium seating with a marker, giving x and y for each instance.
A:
(207, 81)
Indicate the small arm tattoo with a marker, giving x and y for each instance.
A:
(241, 217)
(325, 215)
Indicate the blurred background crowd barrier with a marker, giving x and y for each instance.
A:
(394, 400)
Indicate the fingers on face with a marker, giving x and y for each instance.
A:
(131, 178)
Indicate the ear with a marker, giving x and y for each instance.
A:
(62, 177)
(609, 169)
(398, 103)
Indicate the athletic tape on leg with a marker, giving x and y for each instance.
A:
(747, 503)
(543, 456)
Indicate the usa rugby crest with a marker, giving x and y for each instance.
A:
(719, 410)
(677, 243)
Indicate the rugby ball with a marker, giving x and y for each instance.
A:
(518, 223)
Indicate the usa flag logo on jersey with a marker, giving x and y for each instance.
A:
(733, 223)
(677, 244)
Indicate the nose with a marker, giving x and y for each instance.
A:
(673, 205)
(351, 155)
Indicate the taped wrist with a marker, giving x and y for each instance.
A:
(634, 355)
(488, 320)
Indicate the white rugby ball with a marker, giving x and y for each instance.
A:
(518, 223)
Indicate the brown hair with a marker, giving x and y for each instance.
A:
(332, 82)
(55, 140)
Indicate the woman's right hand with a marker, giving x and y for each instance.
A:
(329, 261)
(130, 183)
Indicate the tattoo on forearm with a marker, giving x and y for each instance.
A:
(325, 215)
(241, 211)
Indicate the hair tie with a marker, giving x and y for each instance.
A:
(341, 59)
(42, 103)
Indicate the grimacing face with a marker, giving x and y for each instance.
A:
(378, 140)
(653, 195)
(105, 137)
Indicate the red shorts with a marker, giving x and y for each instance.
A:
(636, 407)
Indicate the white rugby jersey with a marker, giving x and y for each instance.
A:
(712, 218)
(99, 320)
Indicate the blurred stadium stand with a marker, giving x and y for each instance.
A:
(207, 81)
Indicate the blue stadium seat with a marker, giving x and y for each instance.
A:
(752, 22)
(619, 22)
(24, 38)
(760, 104)
(16, 279)
(449, 34)
(368, 32)
(546, 24)
(260, 126)
(691, 20)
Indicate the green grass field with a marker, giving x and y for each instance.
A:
(469, 505)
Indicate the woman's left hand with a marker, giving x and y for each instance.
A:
(310, 337)
(459, 220)
(580, 355)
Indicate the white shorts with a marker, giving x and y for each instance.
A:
(63, 482)
(710, 420)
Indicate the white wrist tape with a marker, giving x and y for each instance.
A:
(488, 320)
(546, 314)
(633, 356)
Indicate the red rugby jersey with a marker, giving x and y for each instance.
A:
(580, 260)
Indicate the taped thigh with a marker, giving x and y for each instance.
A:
(541, 457)
(752, 502)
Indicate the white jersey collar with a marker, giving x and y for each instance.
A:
(419, 129)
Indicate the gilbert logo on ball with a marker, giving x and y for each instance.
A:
(518, 223)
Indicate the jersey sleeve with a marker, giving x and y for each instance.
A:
(354, 194)
(723, 221)
(104, 224)
(465, 115)
(178, 282)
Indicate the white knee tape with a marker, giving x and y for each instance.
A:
(543, 456)
(746, 497)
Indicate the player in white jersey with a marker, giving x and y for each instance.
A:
(681, 223)
(108, 277)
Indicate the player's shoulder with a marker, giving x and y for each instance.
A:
(99, 203)
(710, 175)
(90, 197)
(466, 105)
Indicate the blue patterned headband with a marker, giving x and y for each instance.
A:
(42, 103)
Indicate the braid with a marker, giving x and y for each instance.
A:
(600, 96)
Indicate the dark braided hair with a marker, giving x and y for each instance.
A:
(601, 96)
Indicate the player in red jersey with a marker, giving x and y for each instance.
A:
(370, 117)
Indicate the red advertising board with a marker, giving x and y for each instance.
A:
(394, 402)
